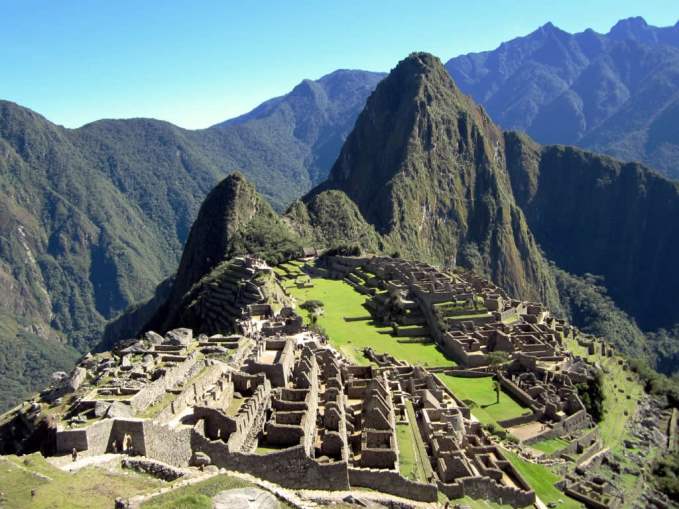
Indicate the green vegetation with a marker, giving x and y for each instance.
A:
(550, 445)
(351, 337)
(481, 392)
(542, 480)
(413, 460)
(656, 383)
(407, 455)
(622, 394)
(666, 474)
(588, 305)
(56, 489)
(27, 361)
(195, 496)
(593, 396)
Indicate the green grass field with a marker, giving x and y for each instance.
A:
(612, 428)
(88, 487)
(407, 455)
(542, 480)
(550, 445)
(341, 300)
(481, 392)
(195, 496)
(616, 389)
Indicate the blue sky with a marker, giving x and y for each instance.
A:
(196, 63)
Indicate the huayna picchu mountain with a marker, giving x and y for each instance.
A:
(426, 167)
(427, 175)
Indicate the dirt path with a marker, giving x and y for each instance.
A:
(67, 464)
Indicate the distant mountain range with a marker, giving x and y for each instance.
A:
(616, 93)
(92, 219)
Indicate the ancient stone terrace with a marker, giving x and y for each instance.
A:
(466, 315)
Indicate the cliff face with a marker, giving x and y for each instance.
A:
(592, 214)
(426, 168)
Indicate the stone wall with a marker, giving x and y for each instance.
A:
(521, 419)
(517, 393)
(192, 394)
(93, 439)
(154, 468)
(390, 481)
(132, 427)
(70, 439)
(487, 488)
(291, 468)
(156, 390)
(171, 446)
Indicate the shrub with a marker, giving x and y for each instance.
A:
(311, 305)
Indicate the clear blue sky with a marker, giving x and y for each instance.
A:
(195, 63)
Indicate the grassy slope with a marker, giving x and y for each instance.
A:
(542, 481)
(550, 445)
(341, 300)
(616, 404)
(481, 392)
(196, 496)
(88, 487)
(617, 411)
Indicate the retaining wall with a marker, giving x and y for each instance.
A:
(156, 390)
(389, 481)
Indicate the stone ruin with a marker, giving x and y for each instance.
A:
(276, 401)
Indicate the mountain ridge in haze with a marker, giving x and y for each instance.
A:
(616, 93)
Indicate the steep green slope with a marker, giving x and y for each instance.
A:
(330, 219)
(27, 360)
(592, 214)
(425, 167)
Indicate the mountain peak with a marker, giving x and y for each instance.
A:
(425, 167)
(234, 220)
(632, 28)
(419, 64)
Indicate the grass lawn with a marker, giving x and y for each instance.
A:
(542, 480)
(88, 487)
(407, 456)
(196, 496)
(350, 337)
(481, 391)
(480, 504)
(550, 445)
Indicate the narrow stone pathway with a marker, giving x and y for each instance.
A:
(67, 464)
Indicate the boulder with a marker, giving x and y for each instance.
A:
(100, 408)
(119, 409)
(244, 498)
(77, 378)
(200, 459)
(180, 337)
(153, 337)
